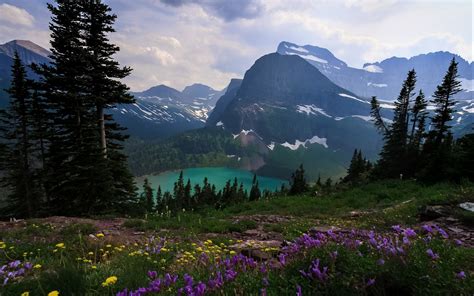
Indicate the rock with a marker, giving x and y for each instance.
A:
(324, 228)
(358, 213)
(468, 206)
(428, 213)
(257, 254)
(456, 230)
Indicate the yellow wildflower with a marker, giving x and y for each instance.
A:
(232, 253)
(111, 280)
(25, 293)
(60, 246)
(37, 266)
(53, 293)
(99, 235)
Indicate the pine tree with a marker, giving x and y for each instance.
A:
(298, 182)
(147, 196)
(73, 180)
(17, 159)
(255, 192)
(106, 91)
(396, 136)
(444, 101)
(376, 116)
(159, 200)
(437, 152)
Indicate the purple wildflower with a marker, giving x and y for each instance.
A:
(299, 292)
(461, 275)
(152, 274)
(370, 282)
(432, 254)
(409, 232)
(427, 228)
(397, 228)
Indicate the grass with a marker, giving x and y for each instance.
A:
(176, 245)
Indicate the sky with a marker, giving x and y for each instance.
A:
(181, 42)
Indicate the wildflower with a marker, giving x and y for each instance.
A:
(461, 275)
(99, 235)
(427, 228)
(37, 266)
(380, 261)
(397, 228)
(232, 252)
(442, 232)
(409, 232)
(60, 246)
(458, 242)
(432, 254)
(94, 267)
(53, 293)
(152, 274)
(26, 293)
(299, 292)
(370, 282)
(282, 258)
(109, 281)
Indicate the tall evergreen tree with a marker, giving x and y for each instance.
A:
(255, 192)
(396, 135)
(83, 79)
(437, 152)
(298, 182)
(18, 155)
(147, 196)
(444, 101)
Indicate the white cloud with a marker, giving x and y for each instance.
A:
(15, 15)
(206, 41)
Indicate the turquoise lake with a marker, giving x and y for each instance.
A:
(216, 175)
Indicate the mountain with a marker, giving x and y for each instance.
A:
(290, 112)
(29, 53)
(383, 79)
(224, 101)
(162, 111)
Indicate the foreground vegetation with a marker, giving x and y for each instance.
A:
(337, 243)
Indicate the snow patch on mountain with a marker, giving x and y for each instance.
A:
(466, 84)
(311, 109)
(354, 98)
(365, 118)
(313, 140)
(373, 69)
(376, 84)
(300, 49)
(308, 57)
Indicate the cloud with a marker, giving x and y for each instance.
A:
(180, 42)
(15, 16)
(229, 10)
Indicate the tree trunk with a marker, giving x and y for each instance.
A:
(103, 140)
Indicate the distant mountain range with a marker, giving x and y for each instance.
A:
(162, 111)
(383, 79)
